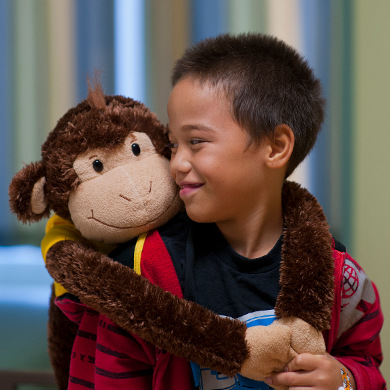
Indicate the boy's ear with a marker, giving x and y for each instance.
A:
(280, 147)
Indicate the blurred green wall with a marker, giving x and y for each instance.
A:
(371, 151)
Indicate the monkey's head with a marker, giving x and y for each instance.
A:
(105, 167)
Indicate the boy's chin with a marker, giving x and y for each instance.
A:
(204, 218)
(198, 216)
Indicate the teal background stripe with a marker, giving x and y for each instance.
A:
(6, 144)
(341, 103)
(30, 93)
(247, 16)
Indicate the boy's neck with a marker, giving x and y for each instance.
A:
(256, 234)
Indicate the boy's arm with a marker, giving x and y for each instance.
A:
(362, 354)
(358, 344)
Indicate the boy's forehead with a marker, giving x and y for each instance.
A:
(196, 84)
(191, 92)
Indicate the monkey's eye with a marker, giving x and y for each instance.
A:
(97, 166)
(135, 149)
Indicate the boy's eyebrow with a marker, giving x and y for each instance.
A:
(195, 127)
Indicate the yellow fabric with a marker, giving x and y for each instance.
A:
(138, 251)
(59, 229)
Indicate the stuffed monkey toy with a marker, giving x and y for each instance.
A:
(105, 169)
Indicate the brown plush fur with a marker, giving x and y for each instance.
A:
(20, 191)
(307, 271)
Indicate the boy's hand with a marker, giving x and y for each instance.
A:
(311, 371)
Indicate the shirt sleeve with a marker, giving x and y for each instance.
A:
(58, 229)
(358, 345)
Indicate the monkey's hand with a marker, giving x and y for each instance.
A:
(272, 347)
(138, 306)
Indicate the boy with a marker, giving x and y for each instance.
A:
(243, 113)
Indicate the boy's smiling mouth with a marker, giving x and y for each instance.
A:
(189, 188)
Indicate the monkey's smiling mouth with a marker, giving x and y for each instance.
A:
(170, 205)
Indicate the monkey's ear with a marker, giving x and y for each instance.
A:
(27, 197)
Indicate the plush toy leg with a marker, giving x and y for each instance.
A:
(61, 335)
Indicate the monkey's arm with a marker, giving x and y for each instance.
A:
(176, 325)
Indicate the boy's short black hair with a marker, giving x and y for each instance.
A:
(268, 84)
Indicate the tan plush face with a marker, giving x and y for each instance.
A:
(123, 192)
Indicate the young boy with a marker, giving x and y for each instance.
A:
(243, 113)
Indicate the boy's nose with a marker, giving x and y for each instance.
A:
(179, 162)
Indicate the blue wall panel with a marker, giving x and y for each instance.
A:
(316, 42)
(209, 18)
(95, 44)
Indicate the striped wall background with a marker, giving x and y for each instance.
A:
(47, 49)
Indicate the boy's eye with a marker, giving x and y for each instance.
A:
(196, 141)
(172, 145)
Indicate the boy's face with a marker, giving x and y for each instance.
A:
(220, 176)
